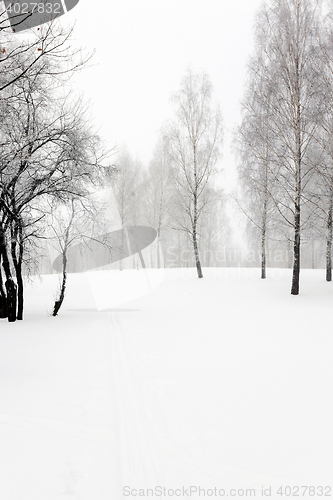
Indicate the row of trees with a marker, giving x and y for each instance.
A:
(285, 140)
(152, 197)
(177, 194)
(48, 154)
(51, 163)
(50, 160)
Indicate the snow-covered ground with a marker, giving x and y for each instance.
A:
(172, 382)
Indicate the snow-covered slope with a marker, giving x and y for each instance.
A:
(223, 383)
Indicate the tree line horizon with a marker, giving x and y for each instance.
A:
(52, 163)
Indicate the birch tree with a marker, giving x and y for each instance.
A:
(255, 150)
(286, 31)
(323, 190)
(194, 140)
(324, 138)
(70, 223)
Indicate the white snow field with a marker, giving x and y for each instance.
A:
(170, 387)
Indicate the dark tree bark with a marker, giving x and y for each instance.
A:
(196, 254)
(17, 256)
(264, 230)
(59, 301)
(20, 292)
(297, 251)
(297, 218)
(194, 228)
(9, 283)
(263, 254)
(11, 300)
(3, 296)
(298, 173)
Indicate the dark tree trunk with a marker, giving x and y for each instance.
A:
(66, 245)
(9, 283)
(58, 303)
(194, 236)
(263, 236)
(17, 243)
(20, 292)
(196, 255)
(297, 252)
(298, 186)
(263, 254)
(264, 222)
(11, 300)
(329, 241)
(3, 296)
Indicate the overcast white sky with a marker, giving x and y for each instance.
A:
(142, 51)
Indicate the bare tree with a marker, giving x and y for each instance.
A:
(70, 223)
(194, 139)
(51, 43)
(323, 190)
(324, 137)
(286, 31)
(47, 149)
(256, 170)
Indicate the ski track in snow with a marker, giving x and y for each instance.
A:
(137, 449)
(143, 463)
